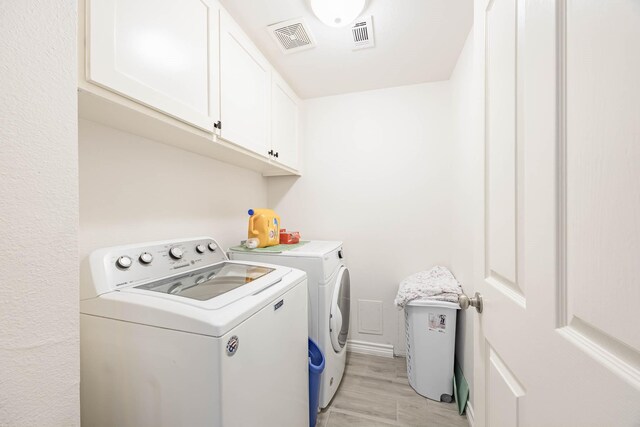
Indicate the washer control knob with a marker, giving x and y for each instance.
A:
(200, 249)
(146, 258)
(176, 253)
(124, 262)
(212, 247)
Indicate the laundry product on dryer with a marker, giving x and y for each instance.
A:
(264, 225)
(329, 300)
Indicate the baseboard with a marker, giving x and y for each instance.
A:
(398, 353)
(372, 348)
(471, 418)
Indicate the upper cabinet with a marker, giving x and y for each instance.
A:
(284, 123)
(245, 88)
(161, 53)
(184, 73)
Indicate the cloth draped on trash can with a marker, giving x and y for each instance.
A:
(435, 284)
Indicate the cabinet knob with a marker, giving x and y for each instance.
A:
(217, 125)
(270, 152)
(276, 154)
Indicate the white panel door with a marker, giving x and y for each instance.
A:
(284, 123)
(161, 53)
(245, 87)
(558, 343)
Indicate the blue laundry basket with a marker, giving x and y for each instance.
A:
(316, 366)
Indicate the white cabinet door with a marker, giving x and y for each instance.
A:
(161, 53)
(284, 123)
(245, 83)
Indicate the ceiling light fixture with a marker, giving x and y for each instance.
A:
(337, 13)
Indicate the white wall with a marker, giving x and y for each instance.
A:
(39, 337)
(135, 190)
(467, 188)
(377, 175)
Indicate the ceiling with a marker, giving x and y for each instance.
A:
(416, 41)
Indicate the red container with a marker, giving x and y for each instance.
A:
(289, 237)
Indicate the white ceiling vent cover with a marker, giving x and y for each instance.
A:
(292, 35)
(362, 32)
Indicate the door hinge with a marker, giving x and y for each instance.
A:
(217, 125)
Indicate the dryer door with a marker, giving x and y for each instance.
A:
(340, 307)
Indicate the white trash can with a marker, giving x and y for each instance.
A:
(431, 342)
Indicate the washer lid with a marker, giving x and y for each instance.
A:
(212, 287)
(208, 283)
(340, 310)
(214, 317)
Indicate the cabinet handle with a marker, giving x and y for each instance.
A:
(270, 152)
(217, 125)
(276, 154)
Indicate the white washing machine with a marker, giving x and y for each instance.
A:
(329, 297)
(175, 334)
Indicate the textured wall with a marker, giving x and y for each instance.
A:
(377, 176)
(135, 190)
(39, 367)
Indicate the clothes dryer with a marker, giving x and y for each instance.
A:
(329, 300)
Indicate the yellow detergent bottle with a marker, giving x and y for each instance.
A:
(264, 225)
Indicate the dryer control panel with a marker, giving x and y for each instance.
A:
(118, 266)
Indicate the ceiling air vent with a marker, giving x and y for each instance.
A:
(362, 32)
(292, 35)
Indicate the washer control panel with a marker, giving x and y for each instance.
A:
(115, 267)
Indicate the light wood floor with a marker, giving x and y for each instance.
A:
(375, 392)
